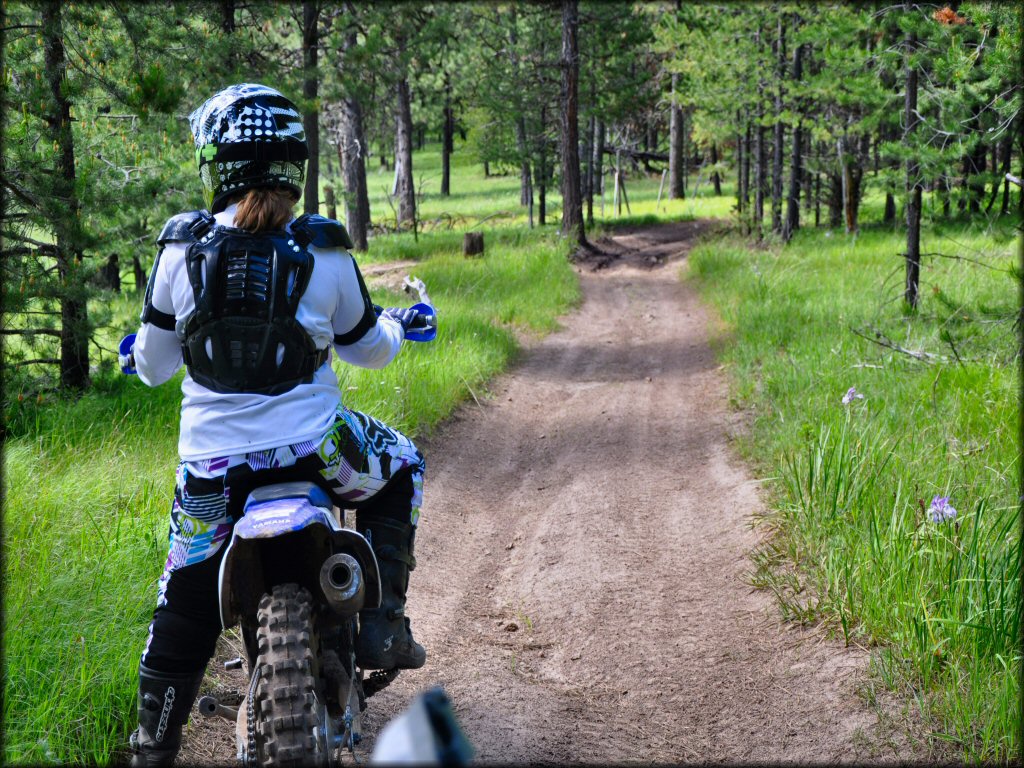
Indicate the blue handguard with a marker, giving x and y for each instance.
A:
(126, 354)
(428, 330)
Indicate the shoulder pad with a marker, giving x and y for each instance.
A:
(322, 232)
(184, 227)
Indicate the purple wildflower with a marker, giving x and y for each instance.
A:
(941, 510)
(851, 395)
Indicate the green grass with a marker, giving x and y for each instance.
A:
(852, 544)
(496, 198)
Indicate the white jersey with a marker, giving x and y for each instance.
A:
(217, 424)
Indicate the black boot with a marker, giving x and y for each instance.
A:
(385, 638)
(164, 703)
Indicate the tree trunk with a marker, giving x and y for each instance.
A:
(525, 171)
(352, 156)
(140, 275)
(835, 198)
(541, 165)
(227, 16)
(529, 195)
(74, 318)
(676, 189)
(740, 159)
(889, 216)
(572, 204)
(1004, 208)
(746, 169)
(447, 139)
(716, 180)
(759, 175)
(779, 128)
(977, 164)
(850, 173)
(599, 144)
(796, 159)
(227, 25)
(589, 181)
(913, 181)
(685, 149)
(525, 190)
(353, 164)
(405, 191)
(311, 116)
(332, 211)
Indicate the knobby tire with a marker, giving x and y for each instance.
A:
(288, 702)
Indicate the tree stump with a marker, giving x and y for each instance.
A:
(473, 244)
(109, 275)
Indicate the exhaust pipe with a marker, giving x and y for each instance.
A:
(341, 579)
(210, 707)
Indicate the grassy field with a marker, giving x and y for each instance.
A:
(855, 541)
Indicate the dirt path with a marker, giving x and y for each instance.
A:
(584, 547)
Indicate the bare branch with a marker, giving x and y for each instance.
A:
(29, 332)
(39, 361)
(884, 341)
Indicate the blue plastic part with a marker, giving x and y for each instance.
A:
(423, 334)
(124, 349)
(294, 490)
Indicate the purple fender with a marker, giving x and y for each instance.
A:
(240, 585)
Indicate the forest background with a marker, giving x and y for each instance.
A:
(867, 154)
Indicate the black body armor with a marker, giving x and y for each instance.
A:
(242, 335)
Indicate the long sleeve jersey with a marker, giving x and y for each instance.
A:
(215, 424)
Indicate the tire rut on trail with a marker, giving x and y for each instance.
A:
(583, 555)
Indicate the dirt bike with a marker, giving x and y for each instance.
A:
(295, 578)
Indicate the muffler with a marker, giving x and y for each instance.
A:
(341, 579)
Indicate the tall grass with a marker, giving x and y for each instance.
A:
(853, 544)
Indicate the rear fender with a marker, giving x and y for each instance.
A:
(271, 523)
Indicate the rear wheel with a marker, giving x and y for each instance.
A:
(289, 709)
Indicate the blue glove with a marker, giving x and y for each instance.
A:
(126, 354)
(402, 315)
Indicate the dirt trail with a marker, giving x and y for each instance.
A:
(582, 588)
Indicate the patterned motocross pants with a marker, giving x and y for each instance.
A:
(364, 463)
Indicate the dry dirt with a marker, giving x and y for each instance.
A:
(582, 587)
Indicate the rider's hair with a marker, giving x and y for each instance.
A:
(264, 208)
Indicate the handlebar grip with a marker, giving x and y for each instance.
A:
(424, 321)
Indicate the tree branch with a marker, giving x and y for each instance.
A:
(29, 332)
(39, 361)
(884, 341)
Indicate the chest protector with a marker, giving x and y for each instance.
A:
(243, 335)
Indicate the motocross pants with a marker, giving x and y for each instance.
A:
(357, 459)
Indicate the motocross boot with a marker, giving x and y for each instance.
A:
(385, 637)
(164, 703)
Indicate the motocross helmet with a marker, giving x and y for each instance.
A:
(248, 135)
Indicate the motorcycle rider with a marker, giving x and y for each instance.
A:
(251, 301)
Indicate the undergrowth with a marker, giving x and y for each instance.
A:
(861, 538)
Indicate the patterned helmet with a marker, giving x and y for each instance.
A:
(248, 135)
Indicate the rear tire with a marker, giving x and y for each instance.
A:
(289, 707)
